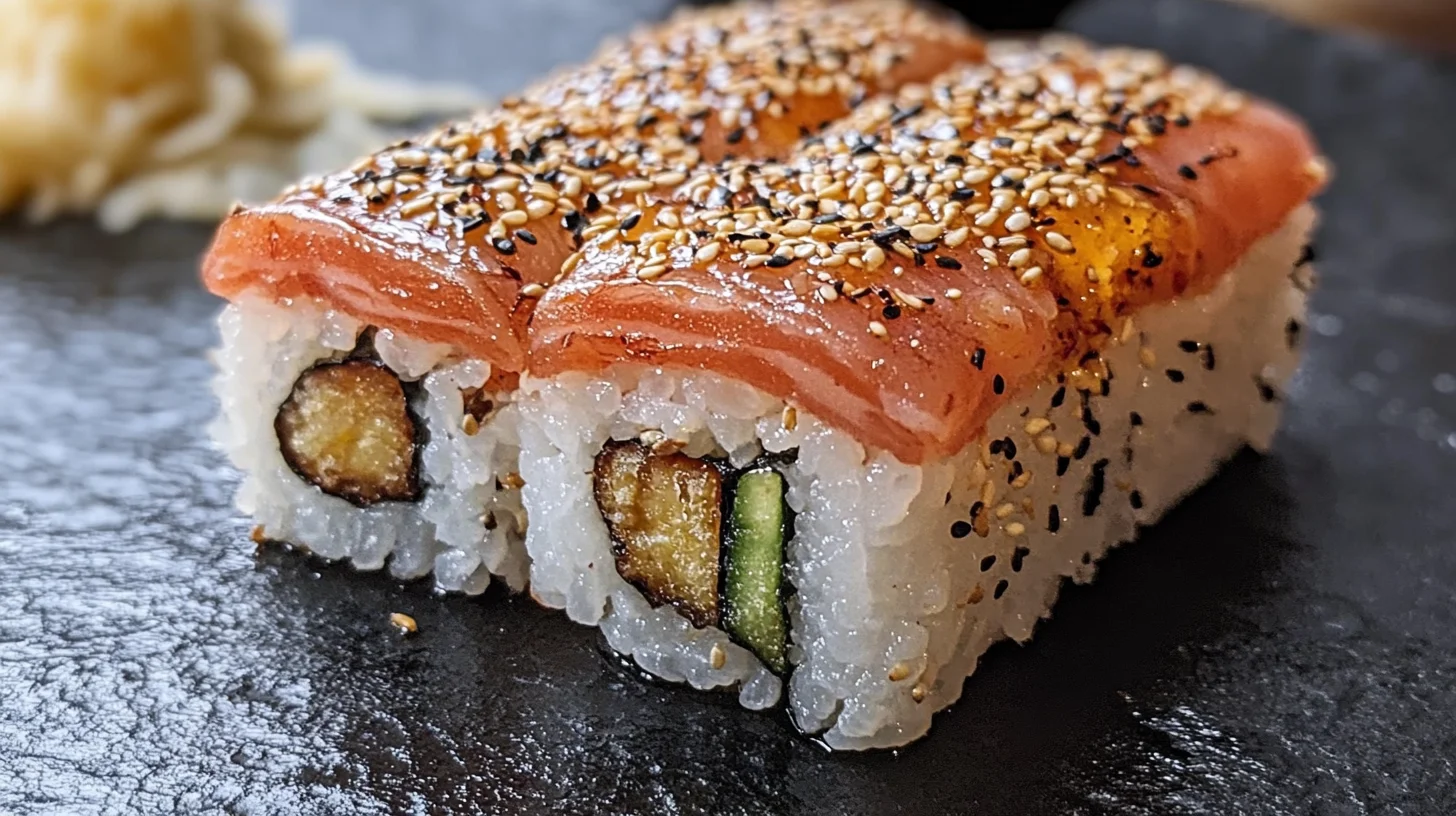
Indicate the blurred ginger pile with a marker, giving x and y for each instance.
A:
(177, 108)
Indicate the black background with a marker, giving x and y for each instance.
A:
(1284, 643)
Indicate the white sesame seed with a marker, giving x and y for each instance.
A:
(650, 273)
(1059, 242)
(925, 233)
(797, 228)
(873, 257)
(878, 329)
(953, 294)
(533, 290)
(416, 207)
(1031, 274)
(1018, 221)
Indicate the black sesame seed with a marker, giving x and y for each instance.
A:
(886, 236)
(1003, 142)
(1000, 589)
(1059, 397)
(1107, 386)
(1054, 519)
(947, 263)
(1082, 448)
(735, 136)
(908, 113)
(996, 446)
(976, 509)
(1199, 407)
(630, 222)
(891, 311)
(1189, 346)
(1018, 556)
(475, 223)
(998, 384)
(1063, 462)
(964, 194)
(828, 218)
(505, 246)
(1182, 121)
(1016, 471)
(592, 203)
(779, 261)
(1175, 375)
(1136, 499)
(1009, 446)
(987, 563)
(1209, 361)
(527, 236)
(1151, 259)
(1136, 419)
(1187, 172)
(1096, 483)
(960, 529)
(978, 358)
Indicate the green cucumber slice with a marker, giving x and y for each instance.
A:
(753, 564)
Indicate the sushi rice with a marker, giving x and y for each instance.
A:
(466, 527)
(897, 593)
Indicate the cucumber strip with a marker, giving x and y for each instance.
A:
(753, 563)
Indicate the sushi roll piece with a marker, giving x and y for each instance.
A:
(376, 323)
(886, 395)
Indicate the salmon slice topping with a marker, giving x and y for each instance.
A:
(451, 237)
(908, 269)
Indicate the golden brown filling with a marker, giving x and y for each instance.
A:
(665, 516)
(347, 429)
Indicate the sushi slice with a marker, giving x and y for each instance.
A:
(377, 317)
(977, 333)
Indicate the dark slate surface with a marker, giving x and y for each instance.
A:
(1284, 643)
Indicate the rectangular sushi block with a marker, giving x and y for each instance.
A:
(813, 379)
(370, 446)
(886, 582)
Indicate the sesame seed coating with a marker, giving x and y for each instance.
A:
(602, 139)
(439, 233)
(1035, 187)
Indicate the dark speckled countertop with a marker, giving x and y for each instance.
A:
(1284, 643)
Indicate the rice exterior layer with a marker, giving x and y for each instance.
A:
(465, 528)
(904, 575)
